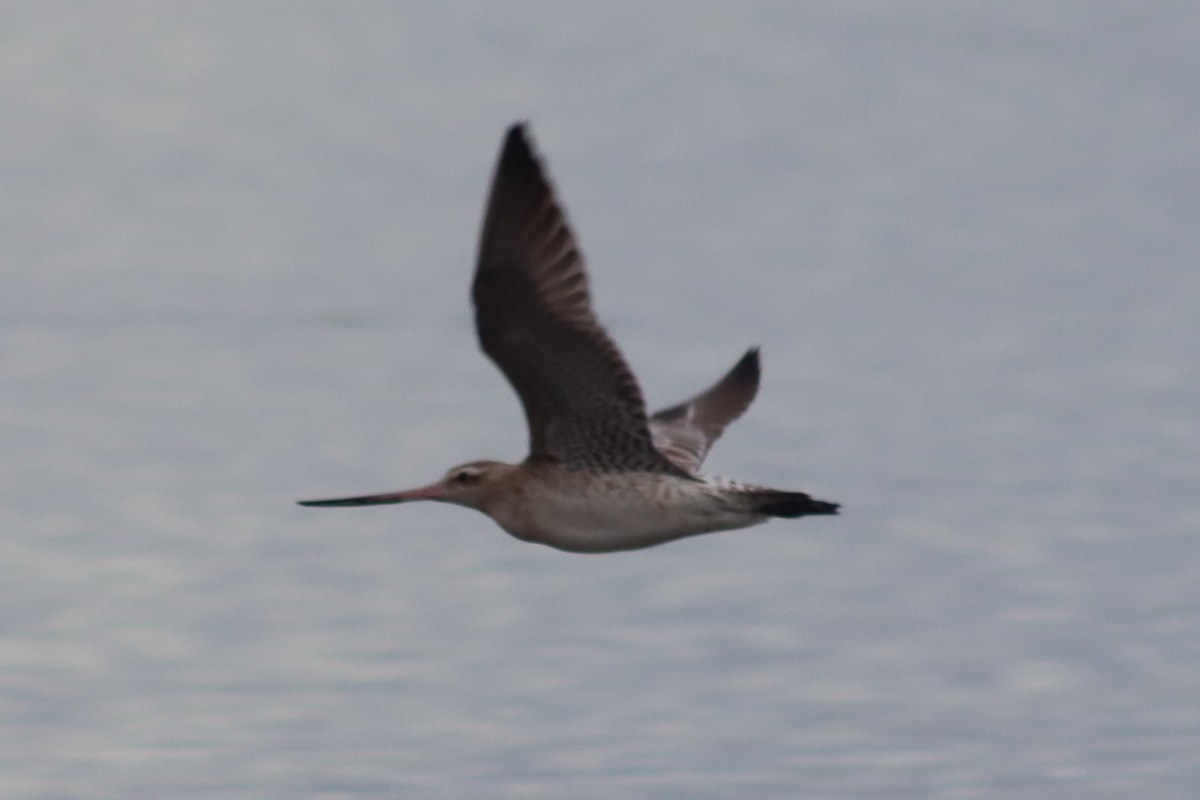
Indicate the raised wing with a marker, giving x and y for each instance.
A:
(534, 318)
(684, 433)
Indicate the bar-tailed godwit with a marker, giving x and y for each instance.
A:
(601, 474)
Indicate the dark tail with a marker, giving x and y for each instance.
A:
(793, 504)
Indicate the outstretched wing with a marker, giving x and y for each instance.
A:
(534, 318)
(684, 433)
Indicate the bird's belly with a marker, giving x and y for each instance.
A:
(622, 521)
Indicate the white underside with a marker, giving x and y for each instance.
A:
(626, 517)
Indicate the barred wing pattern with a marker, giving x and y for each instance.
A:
(534, 318)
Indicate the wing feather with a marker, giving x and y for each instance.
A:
(534, 318)
(685, 432)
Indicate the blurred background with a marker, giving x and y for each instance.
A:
(237, 244)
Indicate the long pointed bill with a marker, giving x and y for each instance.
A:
(432, 492)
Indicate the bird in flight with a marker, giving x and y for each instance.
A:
(602, 475)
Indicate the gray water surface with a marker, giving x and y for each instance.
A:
(237, 240)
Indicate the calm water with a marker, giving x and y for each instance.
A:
(236, 250)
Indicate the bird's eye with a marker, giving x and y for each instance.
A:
(463, 477)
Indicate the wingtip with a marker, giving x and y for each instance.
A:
(751, 360)
(519, 160)
(519, 133)
(746, 372)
